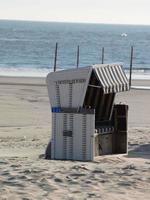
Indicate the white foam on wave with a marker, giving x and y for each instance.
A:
(25, 72)
(140, 76)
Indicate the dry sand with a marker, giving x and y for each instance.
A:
(24, 133)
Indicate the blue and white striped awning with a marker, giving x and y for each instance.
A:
(112, 78)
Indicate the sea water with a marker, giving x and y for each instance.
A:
(27, 48)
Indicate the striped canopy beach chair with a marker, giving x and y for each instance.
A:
(85, 121)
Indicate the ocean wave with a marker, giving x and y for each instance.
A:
(24, 72)
(138, 69)
(23, 40)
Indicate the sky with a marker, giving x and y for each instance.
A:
(89, 11)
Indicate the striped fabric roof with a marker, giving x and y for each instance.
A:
(112, 78)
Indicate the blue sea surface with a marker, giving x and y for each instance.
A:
(30, 45)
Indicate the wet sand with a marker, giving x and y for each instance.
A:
(25, 124)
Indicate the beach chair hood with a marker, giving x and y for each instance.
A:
(68, 88)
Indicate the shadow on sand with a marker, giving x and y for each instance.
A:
(142, 151)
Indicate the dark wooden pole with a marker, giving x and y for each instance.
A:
(55, 59)
(103, 55)
(78, 56)
(131, 63)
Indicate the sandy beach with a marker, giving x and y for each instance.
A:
(25, 124)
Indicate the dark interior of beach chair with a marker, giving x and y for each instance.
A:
(110, 119)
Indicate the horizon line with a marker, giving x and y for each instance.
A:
(74, 22)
